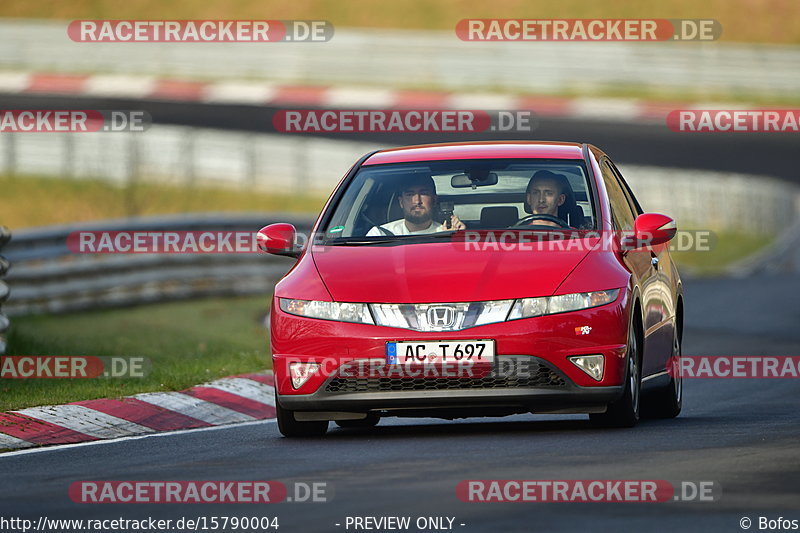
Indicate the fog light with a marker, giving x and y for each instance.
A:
(300, 372)
(591, 364)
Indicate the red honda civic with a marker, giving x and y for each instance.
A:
(477, 279)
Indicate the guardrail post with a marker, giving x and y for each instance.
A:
(300, 170)
(11, 154)
(132, 178)
(5, 236)
(68, 162)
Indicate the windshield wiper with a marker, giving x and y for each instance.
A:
(397, 239)
(358, 242)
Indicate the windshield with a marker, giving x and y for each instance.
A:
(430, 200)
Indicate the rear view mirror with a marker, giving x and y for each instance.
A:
(278, 239)
(460, 181)
(650, 229)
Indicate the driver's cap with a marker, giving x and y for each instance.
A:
(417, 179)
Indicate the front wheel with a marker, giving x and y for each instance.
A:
(290, 427)
(624, 413)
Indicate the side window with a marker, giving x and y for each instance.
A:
(634, 203)
(620, 209)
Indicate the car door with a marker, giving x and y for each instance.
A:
(638, 261)
(660, 305)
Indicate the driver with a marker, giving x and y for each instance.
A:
(418, 201)
(545, 194)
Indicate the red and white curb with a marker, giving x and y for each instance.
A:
(243, 398)
(263, 93)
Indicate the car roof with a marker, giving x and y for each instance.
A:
(478, 150)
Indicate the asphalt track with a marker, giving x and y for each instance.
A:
(773, 154)
(740, 433)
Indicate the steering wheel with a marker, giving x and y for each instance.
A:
(526, 221)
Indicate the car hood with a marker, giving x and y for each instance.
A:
(440, 272)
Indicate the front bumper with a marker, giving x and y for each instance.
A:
(546, 342)
(452, 397)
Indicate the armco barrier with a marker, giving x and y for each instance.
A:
(283, 164)
(430, 59)
(5, 236)
(48, 278)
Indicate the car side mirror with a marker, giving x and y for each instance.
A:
(650, 229)
(278, 239)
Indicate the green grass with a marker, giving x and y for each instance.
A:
(728, 248)
(40, 201)
(187, 343)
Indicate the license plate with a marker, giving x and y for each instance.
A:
(438, 352)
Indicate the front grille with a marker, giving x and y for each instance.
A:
(524, 373)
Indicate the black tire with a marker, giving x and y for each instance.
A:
(666, 402)
(289, 427)
(371, 421)
(624, 413)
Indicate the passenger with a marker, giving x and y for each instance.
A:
(418, 202)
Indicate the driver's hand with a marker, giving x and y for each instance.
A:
(455, 224)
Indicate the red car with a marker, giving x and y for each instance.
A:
(477, 279)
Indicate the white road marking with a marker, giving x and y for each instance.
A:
(247, 388)
(239, 92)
(85, 420)
(60, 447)
(194, 407)
(130, 86)
(482, 102)
(14, 82)
(7, 441)
(604, 108)
(359, 98)
(113, 429)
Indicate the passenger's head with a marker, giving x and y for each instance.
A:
(417, 196)
(545, 193)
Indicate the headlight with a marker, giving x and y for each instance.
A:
(531, 307)
(528, 307)
(446, 316)
(341, 312)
